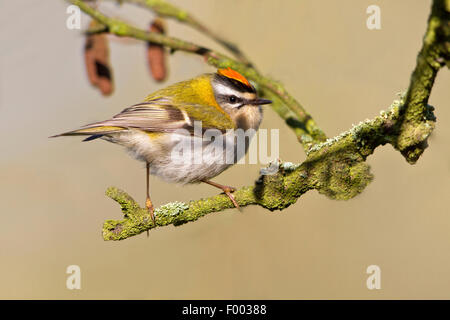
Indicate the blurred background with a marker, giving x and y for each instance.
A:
(52, 190)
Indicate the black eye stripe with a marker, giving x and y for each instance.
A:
(230, 99)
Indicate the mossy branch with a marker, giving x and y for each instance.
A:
(335, 167)
(435, 53)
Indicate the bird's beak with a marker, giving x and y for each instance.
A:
(257, 102)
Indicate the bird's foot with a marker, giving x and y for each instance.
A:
(150, 210)
(228, 191)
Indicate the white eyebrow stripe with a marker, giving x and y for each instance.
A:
(226, 91)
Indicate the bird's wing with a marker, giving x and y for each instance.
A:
(164, 116)
(149, 116)
(159, 116)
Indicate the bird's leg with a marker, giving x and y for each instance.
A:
(226, 189)
(148, 202)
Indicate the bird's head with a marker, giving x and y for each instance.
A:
(232, 90)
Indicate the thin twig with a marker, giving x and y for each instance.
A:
(168, 10)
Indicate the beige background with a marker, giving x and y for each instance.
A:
(52, 191)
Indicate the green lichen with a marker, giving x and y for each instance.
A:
(289, 166)
(127, 203)
(171, 209)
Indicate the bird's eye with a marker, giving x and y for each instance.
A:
(232, 99)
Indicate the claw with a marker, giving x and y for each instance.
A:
(226, 189)
(228, 193)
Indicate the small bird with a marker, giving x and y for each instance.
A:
(221, 102)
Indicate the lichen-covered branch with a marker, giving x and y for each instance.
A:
(416, 124)
(335, 167)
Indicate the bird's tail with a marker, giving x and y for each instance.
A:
(92, 131)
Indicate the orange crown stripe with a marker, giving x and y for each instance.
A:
(232, 74)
